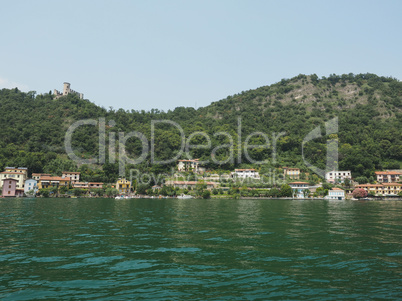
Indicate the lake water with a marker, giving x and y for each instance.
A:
(141, 249)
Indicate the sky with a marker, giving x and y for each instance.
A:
(140, 55)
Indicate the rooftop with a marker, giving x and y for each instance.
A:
(388, 172)
(54, 179)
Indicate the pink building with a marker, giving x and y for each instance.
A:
(10, 188)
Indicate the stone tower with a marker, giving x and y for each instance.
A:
(66, 88)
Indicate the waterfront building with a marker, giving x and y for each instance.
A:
(338, 176)
(336, 194)
(10, 188)
(384, 189)
(49, 182)
(20, 174)
(293, 173)
(31, 187)
(123, 186)
(299, 189)
(82, 185)
(98, 185)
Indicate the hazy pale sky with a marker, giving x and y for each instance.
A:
(164, 54)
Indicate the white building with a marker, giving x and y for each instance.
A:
(74, 176)
(300, 190)
(338, 176)
(31, 185)
(190, 165)
(336, 194)
(245, 173)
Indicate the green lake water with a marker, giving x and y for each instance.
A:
(151, 249)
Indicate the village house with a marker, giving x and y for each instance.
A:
(82, 185)
(292, 173)
(384, 189)
(123, 186)
(31, 187)
(336, 194)
(299, 189)
(389, 176)
(245, 173)
(10, 188)
(20, 174)
(190, 165)
(338, 176)
(74, 176)
(96, 185)
(49, 182)
(37, 176)
(156, 187)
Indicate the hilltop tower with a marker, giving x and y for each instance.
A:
(66, 90)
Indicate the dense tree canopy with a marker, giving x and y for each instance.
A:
(369, 109)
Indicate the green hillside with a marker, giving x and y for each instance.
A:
(369, 109)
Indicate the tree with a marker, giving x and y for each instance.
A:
(206, 194)
(63, 189)
(111, 192)
(274, 192)
(78, 191)
(359, 193)
(362, 180)
(286, 191)
(44, 192)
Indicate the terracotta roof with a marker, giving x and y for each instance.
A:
(93, 183)
(391, 184)
(54, 179)
(41, 174)
(299, 183)
(369, 185)
(336, 188)
(388, 173)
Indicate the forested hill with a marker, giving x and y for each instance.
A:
(369, 108)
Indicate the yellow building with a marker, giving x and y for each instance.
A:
(20, 174)
(123, 186)
(293, 173)
(385, 189)
(49, 182)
